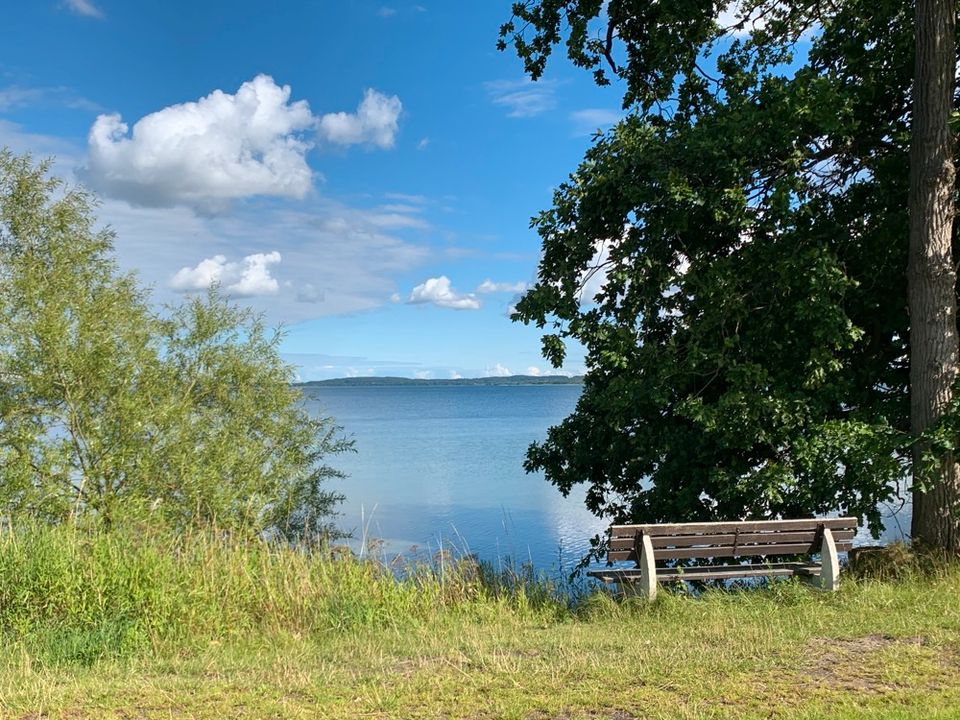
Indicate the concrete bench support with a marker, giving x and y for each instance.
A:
(829, 563)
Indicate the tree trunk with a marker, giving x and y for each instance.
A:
(931, 277)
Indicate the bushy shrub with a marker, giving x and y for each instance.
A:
(113, 412)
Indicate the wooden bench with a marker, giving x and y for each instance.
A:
(653, 545)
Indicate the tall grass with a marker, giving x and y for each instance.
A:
(122, 623)
(76, 596)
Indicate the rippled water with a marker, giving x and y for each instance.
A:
(442, 467)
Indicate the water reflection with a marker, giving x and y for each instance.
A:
(441, 467)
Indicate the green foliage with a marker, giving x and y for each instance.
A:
(112, 413)
(747, 348)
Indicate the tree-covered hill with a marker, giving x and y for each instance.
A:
(510, 380)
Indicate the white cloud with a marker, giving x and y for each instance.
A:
(734, 18)
(406, 198)
(206, 273)
(207, 152)
(522, 98)
(399, 208)
(550, 372)
(15, 138)
(376, 122)
(497, 370)
(84, 7)
(386, 12)
(353, 263)
(423, 374)
(594, 278)
(488, 286)
(396, 220)
(588, 121)
(423, 144)
(15, 96)
(437, 291)
(308, 293)
(454, 375)
(248, 278)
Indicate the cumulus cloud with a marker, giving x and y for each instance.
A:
(351, 263)
(533, 370)
(376, 122)
(488, 286)
(497, 370)
(84, 8)
(437, 291)
(249, 277)
(204, 153)
(522, 98)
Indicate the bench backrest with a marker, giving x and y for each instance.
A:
(678, 541)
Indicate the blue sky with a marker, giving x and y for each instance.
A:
(362, 172)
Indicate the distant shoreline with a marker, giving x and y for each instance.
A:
(509, 381)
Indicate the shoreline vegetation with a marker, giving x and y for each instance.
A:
(387, 381)
(143, 624)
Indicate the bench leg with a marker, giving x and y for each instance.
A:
(829, 563)
(648, 570)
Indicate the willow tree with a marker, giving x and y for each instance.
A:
(732, 256)
(112, 412)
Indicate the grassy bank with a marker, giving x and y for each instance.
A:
(135, 626)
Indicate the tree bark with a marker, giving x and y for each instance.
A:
(931, 277)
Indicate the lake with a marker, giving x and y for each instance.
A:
(442, 467)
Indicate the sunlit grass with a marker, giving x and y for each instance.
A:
(122, 625)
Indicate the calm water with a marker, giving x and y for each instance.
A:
(442, 466)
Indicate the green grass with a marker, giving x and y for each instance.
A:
(136, 626)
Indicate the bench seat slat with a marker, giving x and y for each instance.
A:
(663, 541)
(742, 550)
(712, 572)
(845, 523)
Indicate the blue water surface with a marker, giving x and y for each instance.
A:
(441, 467)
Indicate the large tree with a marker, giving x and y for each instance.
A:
(931, 275)
(112, 412)
(732, 256)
